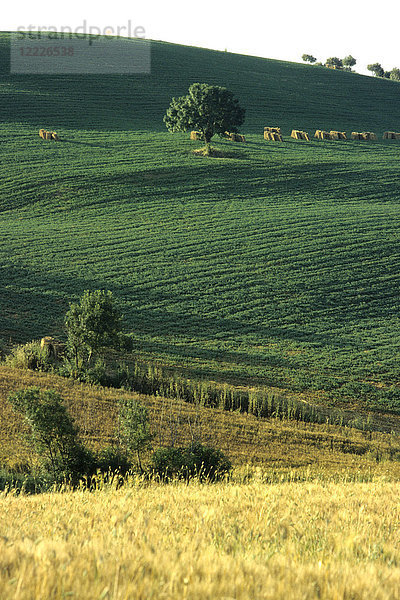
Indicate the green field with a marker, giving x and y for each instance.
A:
(277, 265)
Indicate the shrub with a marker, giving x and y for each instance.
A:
(17, 482)
(113, 459)
(135, 428)
(30, 356)
(202, 462)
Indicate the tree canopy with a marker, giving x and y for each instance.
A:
(395, 74)
(91, 324)
(309, 58)
(349, 61)
(210, 109)
(335, 62)
(377, 69)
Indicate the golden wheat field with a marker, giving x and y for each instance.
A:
(225, 541)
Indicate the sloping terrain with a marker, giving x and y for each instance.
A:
(276, 265)
(297, 449)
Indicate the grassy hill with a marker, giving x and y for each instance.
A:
(277, 265)
(282, 449)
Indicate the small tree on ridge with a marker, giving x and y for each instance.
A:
(309, 58)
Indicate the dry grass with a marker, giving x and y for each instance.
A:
(227, 541)
(276, 446)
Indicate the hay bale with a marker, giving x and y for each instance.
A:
(237, 137)
(355, 135)
(300, 135)
(338, 135)
(391, 135)
(49, 344)
(54, 136)
(42, 133)
(196, 135)
(273, 136)
(48, 135)
(53, 347)
(368, 135)
(273, 129)
(322, 135)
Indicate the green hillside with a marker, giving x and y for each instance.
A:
(277, 265)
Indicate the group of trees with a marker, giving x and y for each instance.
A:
(379, 71)
(345, 63)
(92, 325)
(349, 61)
(52, 434)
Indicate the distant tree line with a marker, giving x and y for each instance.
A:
(333, 62)
(379, 71)
(348, 62)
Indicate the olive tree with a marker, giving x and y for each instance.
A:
(395, 74)
(309, 58)
(334, 62)
(349, 61)
(210, 109)
(376, 69)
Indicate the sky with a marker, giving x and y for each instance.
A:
(279, 29)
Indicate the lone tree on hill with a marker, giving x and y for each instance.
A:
(209, 109)
(92, 324)
(309, 58)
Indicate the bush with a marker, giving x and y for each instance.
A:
(113, 459)
(16, 483)
(135, 428)
(201, 462)
(30, 356)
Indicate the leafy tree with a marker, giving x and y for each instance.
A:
(386, 74)
(349, 61)
(52, 433)
(92, 324)
(395, 74)
(210, 109)
(309, 58)
(377, 69)
(334, 62)
(135, 428)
